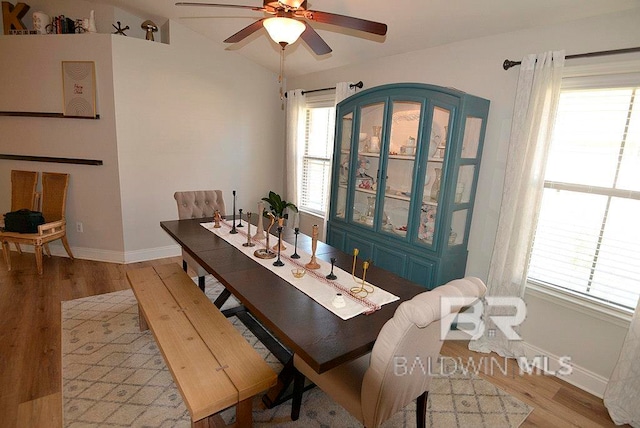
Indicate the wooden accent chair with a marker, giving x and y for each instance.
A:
(54, 201)
(377, 385)
(23, 193)
(197, 204)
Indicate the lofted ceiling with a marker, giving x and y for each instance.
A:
(412, 25)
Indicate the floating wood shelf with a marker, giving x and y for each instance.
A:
(44, 114)
(51, 159)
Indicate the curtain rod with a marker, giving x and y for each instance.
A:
(358, 85)
(507, 64)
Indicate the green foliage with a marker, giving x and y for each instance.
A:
(278, 205)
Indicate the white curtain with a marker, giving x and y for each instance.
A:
(343, 90)
(296, 103)
(622, 396)
(534, 114)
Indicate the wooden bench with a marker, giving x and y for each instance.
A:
(213, 366)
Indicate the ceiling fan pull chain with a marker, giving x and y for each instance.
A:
(281, 76)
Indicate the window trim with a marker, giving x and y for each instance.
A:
(580, 303)
(575, 78)
(320, 100)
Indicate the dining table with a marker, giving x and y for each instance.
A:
(285, 319)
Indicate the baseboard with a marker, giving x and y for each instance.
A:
(112, 256)
(584, 379)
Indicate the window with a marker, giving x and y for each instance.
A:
(315, 164)
(588, 234)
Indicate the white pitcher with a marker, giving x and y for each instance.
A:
(40, 22)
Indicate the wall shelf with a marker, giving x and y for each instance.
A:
(44, 114)
(51, 159)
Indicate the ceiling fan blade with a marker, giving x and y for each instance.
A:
(315, 42)
(345, 21)
(236, 6)
(245, 32)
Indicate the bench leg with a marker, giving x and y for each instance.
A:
(244, 417)
(142, 321)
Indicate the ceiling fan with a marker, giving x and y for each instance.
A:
(289, 22)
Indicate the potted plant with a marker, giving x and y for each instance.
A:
(278, 205)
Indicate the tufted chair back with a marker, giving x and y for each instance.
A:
(377, 385)
(413, 333)
(199, 203)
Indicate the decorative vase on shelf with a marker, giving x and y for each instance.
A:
(435, 188)
(92, 22)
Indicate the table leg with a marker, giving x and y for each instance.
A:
(277, 394)
(222, 298)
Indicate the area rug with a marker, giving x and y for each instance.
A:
(115, 376)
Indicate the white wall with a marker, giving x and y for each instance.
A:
(191, 116)
(475, 66)
(32, 75)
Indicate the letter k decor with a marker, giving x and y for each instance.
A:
(11, 16)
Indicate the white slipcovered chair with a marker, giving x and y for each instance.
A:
(377, 385)
(198, 204)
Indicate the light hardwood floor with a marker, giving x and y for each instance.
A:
(30, 354)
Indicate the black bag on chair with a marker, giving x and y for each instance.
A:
(23, 221)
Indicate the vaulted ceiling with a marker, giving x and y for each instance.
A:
(412, 25)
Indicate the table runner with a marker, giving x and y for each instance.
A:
(313, 284)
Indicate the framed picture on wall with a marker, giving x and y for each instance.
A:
(79, 88)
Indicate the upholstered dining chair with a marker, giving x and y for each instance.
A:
(23, 193)
(198, 204)
(374, 387)
(54, 201)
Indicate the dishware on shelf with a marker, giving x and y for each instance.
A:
(402, 231)
(435, 187)
(459, 192)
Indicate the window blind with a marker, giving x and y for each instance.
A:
(588, 234)
(316, 158)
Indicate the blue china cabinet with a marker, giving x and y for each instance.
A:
(405, 171)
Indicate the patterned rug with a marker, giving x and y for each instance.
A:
(115, 376)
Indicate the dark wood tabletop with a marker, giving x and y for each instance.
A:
(318, 336)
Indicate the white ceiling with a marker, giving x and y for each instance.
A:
(412, 25)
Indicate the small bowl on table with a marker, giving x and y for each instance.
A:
(298, 272)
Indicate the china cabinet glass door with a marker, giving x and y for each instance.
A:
(403, 149)
(431, 191)
(365, 179)
(344, 150)
(465, 180)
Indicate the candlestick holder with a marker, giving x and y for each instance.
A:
(248, 243)
(260, 227)
(240, 222)
(332, 276)
(313, 264)
(266, 253)
(280, 245)
(353, 267)
(363, 288)
(216, 220)
(279, 262)
(233, 222)
(295, 254)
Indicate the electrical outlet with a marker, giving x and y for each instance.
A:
(79, 227)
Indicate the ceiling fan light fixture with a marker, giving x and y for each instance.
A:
(284, 31)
